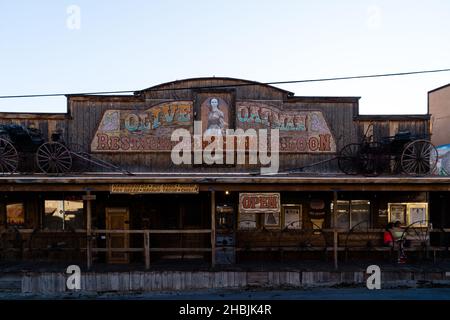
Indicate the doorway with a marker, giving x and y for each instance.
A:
(117, 219)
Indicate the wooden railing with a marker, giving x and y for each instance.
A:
(146, 248)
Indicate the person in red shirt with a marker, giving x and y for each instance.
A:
(388, 239)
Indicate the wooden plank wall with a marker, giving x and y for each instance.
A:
(339, 117)
(389, 128)
(46, 124)
(85, 113)
(41, 283)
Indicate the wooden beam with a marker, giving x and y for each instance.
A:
(34, 116)
(335, 232)
(153, 231)
(147, 249)
(232, 183)
(180, 250)
(213, 228)
(89, 229)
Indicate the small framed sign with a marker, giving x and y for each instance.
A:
(397, 212)
(418, 214)
(292, 216)
(272, 220)
(15, 214)
(409, 213)
(247, 221)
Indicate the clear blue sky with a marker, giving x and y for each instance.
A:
(130, 45)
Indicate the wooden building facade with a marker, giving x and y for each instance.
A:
(120, 197)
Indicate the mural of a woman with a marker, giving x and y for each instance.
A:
(216, 121)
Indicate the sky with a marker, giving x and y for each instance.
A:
(97, 45)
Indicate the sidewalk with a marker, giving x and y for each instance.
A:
(287, 294)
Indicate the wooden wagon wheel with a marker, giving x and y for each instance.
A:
(303, 237)
(373, 159)
(358, 238)
(419, 157)
(349, 160)
(417, 235)
(53, 157)
(9, 158)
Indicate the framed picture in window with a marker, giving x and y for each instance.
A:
(397, 212)
(292, 216)
(272, 220)
(15, 214)
(247, 221)
(418, 214)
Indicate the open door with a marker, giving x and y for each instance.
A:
(117, 219)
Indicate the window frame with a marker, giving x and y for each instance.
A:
(63, 199)
(23, 205)
(349, 206)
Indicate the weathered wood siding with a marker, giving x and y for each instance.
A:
(42, 283)
(46, 123)
(388, 128)
(85, 113)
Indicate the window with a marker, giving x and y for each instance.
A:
(15, 214)
(292, 216)
(397, 212)
(63, 214)
(409, 213)
(351, 213)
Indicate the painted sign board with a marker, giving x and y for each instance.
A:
(443, 162)
(259, 203)
(154, 188)
(300, 131)
(150, 130)
(142, 131)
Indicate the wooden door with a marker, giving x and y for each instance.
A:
(117, 219)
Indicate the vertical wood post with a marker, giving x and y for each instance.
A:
(89, 229)
(335, 233)
(147, 249)
(213, 228)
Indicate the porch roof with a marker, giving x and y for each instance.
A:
(227, 181)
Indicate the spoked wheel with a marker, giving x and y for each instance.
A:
(54, 157)
(297, 235)
(417, 236)
(349, 160)
(302, 237)
(373, 159)
(9, 158)
(359, 238)
(81, 158)
(419, 158)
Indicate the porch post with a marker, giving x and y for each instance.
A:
(335, 233)
(213, 228)
(147, 249)
(88, 199)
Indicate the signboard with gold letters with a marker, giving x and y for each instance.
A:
(154, 188)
